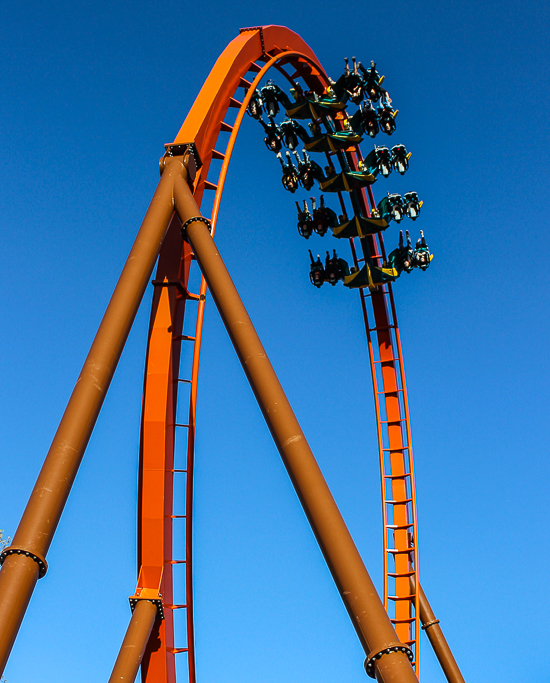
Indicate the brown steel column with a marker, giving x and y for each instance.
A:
(19, 574)
(133, 646)
(365, 608)
(435, 635)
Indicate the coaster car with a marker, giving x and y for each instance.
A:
(332, 142)
(391, 208)
(359, 226)
(365, 120)
(273, 139)
(314, 107)
(292, 133)
(402, 258)
(412, 205)
(379, 161)
(254, 108)
(323, 217)
(400, 158)
(370, 276)
(271, 95)
(290, 173)
(345, 180)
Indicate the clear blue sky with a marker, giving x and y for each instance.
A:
(92, 90)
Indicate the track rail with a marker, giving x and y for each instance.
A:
(172, 368)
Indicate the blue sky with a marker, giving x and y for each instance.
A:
(90, 93)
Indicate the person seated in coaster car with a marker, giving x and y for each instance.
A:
(292, 133)
(365, 120)
(386, 115)
(402, 258)
(422, 256)
(254, 108)
(372, 82)
(308, 170)
(273, 139)
(400, 158)
(305, 220)
(379, 161)
(323, 217)
(391, 208)
(412, 205)
(335, 268)
(290, 174)
(271, 96)
(350, 84)
(316, 272)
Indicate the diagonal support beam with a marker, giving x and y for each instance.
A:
(24, 562)
(386, 656)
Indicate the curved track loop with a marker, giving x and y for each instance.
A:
(162, 457)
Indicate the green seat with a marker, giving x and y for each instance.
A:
(370, 277)
(358, 226)
(346, 181)
(332, 142)
(314, 108)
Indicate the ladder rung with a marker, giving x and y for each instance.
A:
(179, 471)
(243, 83)
(395, 450)
(402, 575)
(184, 337)
(387, 360)
(403, 621)
(210, 186)
(255, 68)
(397, 476)
(392, 391)
(395, 598)
(175, 606)
(178, 516)
(225, 127)
(399, 526)
(384, 327)
(394, 551)
(399, 502)
(177, 562)
(389, 422)
(185, 381)
(178, 424)
(218, 155)
(177, 650)
(234, 103)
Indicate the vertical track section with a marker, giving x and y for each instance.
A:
(167, 446)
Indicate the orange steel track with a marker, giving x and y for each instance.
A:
(240, 69)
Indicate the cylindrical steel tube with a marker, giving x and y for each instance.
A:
(364, 606)
(41, 516)
(133, 646)
(435, 635)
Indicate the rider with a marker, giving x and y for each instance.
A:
(316, 272)
(422, 256)
(273, 139)
(290, 174)
(305, 221)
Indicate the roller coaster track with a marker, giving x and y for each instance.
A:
(230, 85)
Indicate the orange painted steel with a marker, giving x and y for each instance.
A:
(274, 47)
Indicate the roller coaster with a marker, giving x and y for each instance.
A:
(179, 239)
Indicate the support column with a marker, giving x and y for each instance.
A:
(435, 635)
(133, 646)
(386, 656)
(34, 535)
